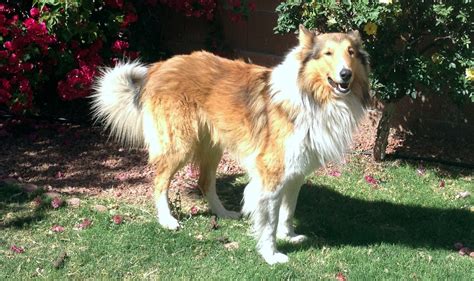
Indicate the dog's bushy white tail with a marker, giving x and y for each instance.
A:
(116, 102)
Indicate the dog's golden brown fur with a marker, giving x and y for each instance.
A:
(282, 123)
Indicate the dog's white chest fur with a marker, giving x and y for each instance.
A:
(321, 135)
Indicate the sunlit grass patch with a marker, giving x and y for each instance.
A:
(402, 225)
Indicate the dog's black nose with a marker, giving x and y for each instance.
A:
(345, 74)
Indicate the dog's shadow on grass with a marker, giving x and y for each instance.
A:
(14, 209)
(330, 218)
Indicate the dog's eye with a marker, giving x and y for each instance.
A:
(328, 53)
(351, 51)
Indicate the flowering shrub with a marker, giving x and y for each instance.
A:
(25, 41)
(63, 42)
(415, 46)
(50, 46)
(90, 33)
(240, 9)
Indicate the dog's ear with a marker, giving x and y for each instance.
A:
(355, 35)
(306, 37)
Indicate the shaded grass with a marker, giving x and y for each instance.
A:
(402, 228)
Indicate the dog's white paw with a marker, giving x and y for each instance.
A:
(297, 239)
(293, 239)
(226, 214)
(169, 223)
(274, 258)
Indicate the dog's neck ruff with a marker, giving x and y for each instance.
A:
(322, 133)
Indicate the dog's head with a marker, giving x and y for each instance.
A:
(333, 65)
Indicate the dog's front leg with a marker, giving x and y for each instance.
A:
(265, 222)
(285, 230)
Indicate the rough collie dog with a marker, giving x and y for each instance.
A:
(281, 123)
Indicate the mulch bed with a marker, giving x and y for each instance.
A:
(80, 159)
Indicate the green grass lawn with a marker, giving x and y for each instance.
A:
(404, 227)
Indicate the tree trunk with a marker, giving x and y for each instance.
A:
(383, 129)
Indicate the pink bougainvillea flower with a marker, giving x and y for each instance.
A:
(57, 228)
(128, 19)
(194, 210)
(8, 45)
(335, 173)
(38, 28)
(119, 46)
(34, 12)
(4, 55)
(24, 85)
(17, 249)
(4, 8)
(4, 96)
(56, 202)
(442, 184)
(371, 180)
(86, 223)
(13, 59)
(117, 219)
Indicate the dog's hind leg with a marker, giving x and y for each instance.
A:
(165, 169)
(208, 162)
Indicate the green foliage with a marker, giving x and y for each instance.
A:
(415, 46)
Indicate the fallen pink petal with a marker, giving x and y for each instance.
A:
(117, 219)
(17, 249)
(84, 224)
(37, 201)
(194, 210)
(371, 180)
(335, 173)
(57, 228)
(465, 251)
(340, 276)
(121, 177)
(56, 202)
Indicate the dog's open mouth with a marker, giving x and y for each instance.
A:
(339, 88)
